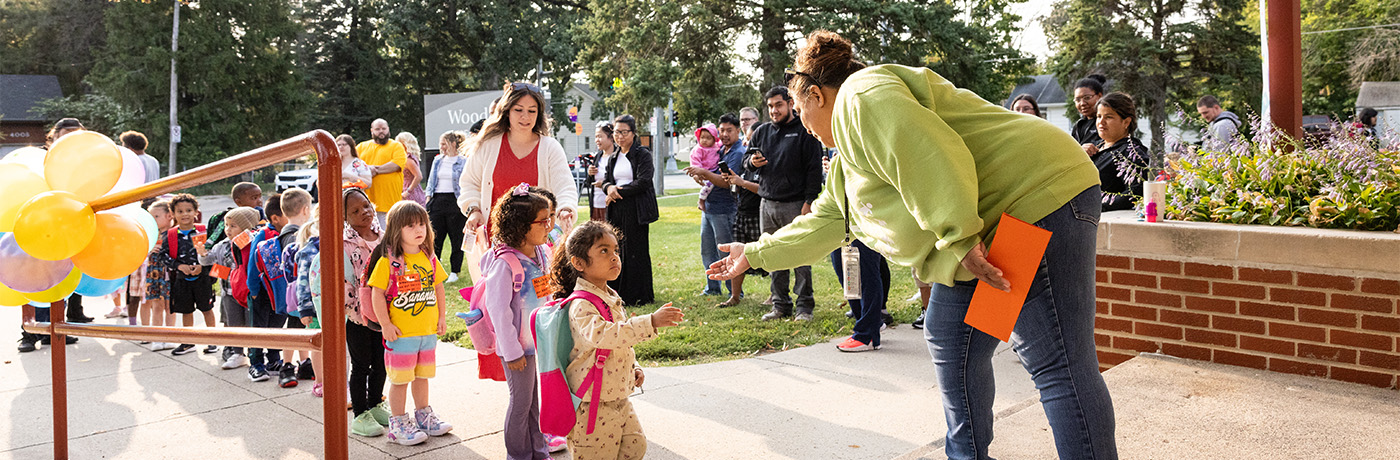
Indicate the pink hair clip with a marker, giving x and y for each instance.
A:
(521, 190)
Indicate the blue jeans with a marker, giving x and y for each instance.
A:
(871, 304)
(715, 229)
(1053, 337)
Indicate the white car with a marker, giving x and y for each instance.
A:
(304, 179)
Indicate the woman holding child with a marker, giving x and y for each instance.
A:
(925, 173)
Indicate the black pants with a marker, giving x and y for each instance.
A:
(260, 314)
(633, 285)
(448, 221)
(366, 366)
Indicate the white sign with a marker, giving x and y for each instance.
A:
(453, 112)
(175, 133)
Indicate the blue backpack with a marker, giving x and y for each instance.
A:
(289, 272)
(553, 342)
(268, 260)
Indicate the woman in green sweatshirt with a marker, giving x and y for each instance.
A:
(925, 172)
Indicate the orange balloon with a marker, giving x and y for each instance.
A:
(85, 163)
(54, 226)
(117, 249)
(18, 184)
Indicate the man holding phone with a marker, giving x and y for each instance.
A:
(720, 207)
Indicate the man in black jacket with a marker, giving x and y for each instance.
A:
(790, 163)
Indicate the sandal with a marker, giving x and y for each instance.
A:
(728, 303)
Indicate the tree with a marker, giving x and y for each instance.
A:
(661, 51)
(239, 87)
(1161, 52)
(1335, 62)
(52, 37)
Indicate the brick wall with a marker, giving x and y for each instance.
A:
(1299, 322)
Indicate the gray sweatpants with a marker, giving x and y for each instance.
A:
(524, 441)
(773, 215)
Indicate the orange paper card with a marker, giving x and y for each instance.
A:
(1016, 250)
(220, 271)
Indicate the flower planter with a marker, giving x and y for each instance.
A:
(1286, 299)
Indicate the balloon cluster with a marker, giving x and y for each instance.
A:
(52, 244)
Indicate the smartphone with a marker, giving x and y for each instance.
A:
(724, 167)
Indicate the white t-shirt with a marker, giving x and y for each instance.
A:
(445, 181)
(600, 198)
(356, 167)
(152, 167)
(622, 173)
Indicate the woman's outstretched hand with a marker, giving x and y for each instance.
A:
(976, 262)
(731, 265)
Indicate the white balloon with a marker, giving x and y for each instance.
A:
(31, 157)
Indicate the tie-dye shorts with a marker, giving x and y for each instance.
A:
(410, 358)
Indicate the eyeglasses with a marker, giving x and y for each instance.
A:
(621, 131)
(544, 221)
(526, 87)
(789, 73)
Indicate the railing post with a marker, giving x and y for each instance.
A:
(337, 429)
(59, 368)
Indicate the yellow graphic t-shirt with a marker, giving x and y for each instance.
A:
(415, 310)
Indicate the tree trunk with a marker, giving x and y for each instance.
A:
(772, 53)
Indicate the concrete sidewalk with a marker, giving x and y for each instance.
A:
(126, 402)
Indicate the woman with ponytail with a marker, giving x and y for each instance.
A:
(925, 173)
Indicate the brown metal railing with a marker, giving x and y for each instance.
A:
(331, 336)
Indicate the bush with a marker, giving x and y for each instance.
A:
(1343, 181)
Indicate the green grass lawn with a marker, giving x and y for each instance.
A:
(715, 334)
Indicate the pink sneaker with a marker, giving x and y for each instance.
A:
(853, 345)
(318, 390)
(556, 443)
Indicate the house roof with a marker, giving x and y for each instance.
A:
(1378, 94)
(587, 91)
(1044, 88)
(23, 93)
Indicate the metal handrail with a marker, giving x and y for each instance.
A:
(330, 337)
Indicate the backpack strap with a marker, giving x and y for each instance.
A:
(172, 242)
(517, 272)
(593, 383)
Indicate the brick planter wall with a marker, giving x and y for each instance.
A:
(1301, 301)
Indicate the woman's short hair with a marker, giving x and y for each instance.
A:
(628, 120)
(1028, 98)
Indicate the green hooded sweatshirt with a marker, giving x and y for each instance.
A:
(926, 170)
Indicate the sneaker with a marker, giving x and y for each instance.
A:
(404, 431)
(80, 319)
(257, 373)
(183, 349)
(162, 346)
(803, 316)
(318, 390)
(275, 367)
(381, 413)
(305, 372)
(209, 350)
(888, 319)
(68, 339)
(850, 314)
(916, 297)
(773, 315)
(364, 425)
(429, 423)
(144, 342)
(287, 376)
(27, 341)
(451, 278)
(919, 323)
(853, 345)
(556, 443)
(235, 361)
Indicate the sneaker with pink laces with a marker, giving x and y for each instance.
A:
(556, 443)
(852, 345)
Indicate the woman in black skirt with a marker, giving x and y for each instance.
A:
(631, 203)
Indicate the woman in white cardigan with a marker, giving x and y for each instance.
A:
(519, 127)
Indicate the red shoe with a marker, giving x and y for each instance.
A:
(852, 345)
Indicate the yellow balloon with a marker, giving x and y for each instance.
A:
(18, 184)
(117, 249)
(30, 157)
(61, 291)
(54, 226)
(12, 298)
(85, 163)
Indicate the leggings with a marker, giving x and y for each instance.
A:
(366, 366)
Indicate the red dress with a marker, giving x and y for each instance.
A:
(510, 172)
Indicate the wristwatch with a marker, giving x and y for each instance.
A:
(471, 209)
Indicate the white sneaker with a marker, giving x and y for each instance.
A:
(916, 297)
(451, 277)
(235, 361)
(162, 346)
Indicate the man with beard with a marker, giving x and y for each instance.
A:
(386, 158)
(790, 163)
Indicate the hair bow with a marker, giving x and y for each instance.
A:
(521, 190)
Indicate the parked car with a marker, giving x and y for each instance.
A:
(304, 179)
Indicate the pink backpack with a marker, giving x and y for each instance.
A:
(554, 341)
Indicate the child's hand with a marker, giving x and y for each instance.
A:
(442, 325)
(666, 316)
(306, 321)
(517, 365)
(390, 332)
(640, 377)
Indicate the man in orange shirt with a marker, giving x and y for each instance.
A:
(387, 158)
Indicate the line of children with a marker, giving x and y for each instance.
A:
(404, 266)
(299, 300)
(267, 285)
(232, 252)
